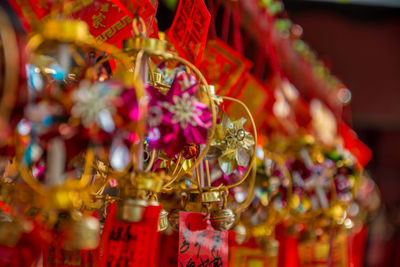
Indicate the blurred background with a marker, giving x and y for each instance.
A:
(360, 41)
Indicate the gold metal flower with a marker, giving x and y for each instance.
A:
(232, 145)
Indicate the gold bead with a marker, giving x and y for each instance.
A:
(10, 231)
(240, 134)
(240, 231)
(210, 196)
(222, 219)
(82, 234)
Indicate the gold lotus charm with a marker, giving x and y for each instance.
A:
(232, 145)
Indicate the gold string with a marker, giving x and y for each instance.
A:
(28, 178)
(198, 180)
(174, 172)
(208, 178)
(85, 178)
(11, 69)
(151, 161)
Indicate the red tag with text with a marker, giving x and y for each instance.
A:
(222, 66)
(57, 256)
(146, 9)
(189, 29)
(25, 13)
(130, 244)
(108, 20)
(199, 243)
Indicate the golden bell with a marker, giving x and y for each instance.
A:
(222, 219)
(240, 231)
(82, 234)
(337, 212)
(163, 220)
(10, 231)
(173, 219)
(210, 196)
(272, 247)
(131, 210)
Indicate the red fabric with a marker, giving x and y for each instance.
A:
(108, 21)
(189, 29)
(169, 249)
(20, 8)
(146, 9)
(288, 248)
(223, 67)
(351, 142)
(356, 244)
(28, 249)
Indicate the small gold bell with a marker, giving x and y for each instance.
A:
(222, 219)
(82, 234)
(173, 219)
(272, 247)
(131, 210)
(240, 231)
(10, 231)
(163, 221)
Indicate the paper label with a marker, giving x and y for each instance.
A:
(199, 243)
(130, 244)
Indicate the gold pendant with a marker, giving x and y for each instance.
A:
(131, 210)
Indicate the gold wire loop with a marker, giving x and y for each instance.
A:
(9, 43)
(286, 174)
(253, 124)
(250, 195)
(173, 57)
(135, 26)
